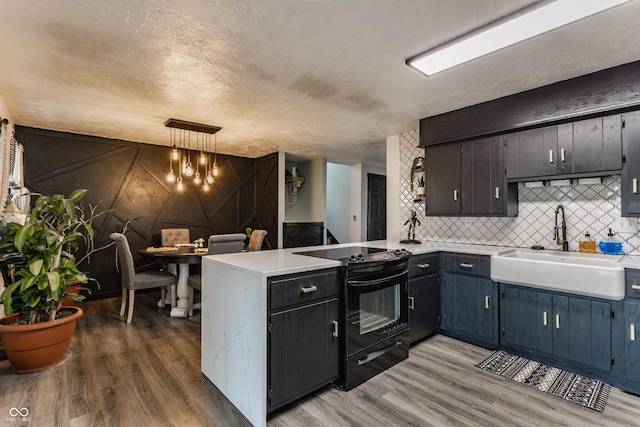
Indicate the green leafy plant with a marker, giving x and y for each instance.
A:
(42, 251)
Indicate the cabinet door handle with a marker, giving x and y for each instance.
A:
(635, 286)
(635, 185)
(411, 304)
(550, 156)
(497, 195)
(562, 158)
(455, 194)
(308, 290)
(545, 318)
(557, 321)
(632, 332)
(465, 265)
(425, 265)
(486, 301)
(335, 328)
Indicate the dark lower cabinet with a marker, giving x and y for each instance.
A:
(632, 341)
(469, 300)
(304, 352)
(303, 342)
(574, 329)
(424, 296)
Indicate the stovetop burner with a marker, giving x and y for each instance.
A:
(356, 254)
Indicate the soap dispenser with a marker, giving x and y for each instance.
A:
(588, 244)
(610, 246)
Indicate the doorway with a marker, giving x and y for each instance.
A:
(376, 207)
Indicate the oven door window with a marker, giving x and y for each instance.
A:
(379, 308)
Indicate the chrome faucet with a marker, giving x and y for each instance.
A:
(561, 241)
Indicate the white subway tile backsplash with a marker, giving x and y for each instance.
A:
(589, 207)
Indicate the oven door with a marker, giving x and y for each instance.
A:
(376, 308)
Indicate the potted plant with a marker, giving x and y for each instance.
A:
(417, 166)
(44, 265)
(420, 189)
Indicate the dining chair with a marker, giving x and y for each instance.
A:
(132, 281)
(255, 242)
(217, 244)
(171, 237)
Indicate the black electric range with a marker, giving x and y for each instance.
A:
(359, 257)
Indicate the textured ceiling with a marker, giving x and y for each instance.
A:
(311, 78)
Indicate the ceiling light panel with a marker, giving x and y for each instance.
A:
(508, 31)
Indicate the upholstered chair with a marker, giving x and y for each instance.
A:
(171, 237)
(132, 281)
(218, 244)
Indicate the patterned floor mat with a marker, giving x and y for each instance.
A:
(575, 388)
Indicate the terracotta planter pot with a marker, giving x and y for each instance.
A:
(32, 348)
(73, 288)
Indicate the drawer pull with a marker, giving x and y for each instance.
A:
(562, 158)
(635, 286)
(425, 265)
(497, 195)
(486, 301)
(545, 318)
(335, 328)
(411, 304)
(550, 156)
(455, 194)
(308, 290)
(632, 332)
(465, 265)
(557, 321)
(635, 185)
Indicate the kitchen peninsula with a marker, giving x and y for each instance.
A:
(235, 310)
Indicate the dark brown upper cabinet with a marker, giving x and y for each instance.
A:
(589, 147)
(630, 196)
(467, 179)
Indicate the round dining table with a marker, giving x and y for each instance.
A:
(181, 257)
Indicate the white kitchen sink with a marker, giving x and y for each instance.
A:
(594, 275)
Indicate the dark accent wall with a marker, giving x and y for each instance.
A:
(130, 178)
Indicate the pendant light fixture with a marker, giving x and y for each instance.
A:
(181, 147)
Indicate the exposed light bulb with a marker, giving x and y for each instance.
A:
(180, 186)
(171, 177)
(188, 170)
(215, 169)
(205, 187)
(203, 159)
(174, 153)
(197, 179)
(209, 178)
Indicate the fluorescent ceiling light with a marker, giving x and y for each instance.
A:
(512, 29)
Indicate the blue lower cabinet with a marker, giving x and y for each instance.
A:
(575, 330)
(470, 309)
(632, 341)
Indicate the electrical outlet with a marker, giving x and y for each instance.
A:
(626, 225)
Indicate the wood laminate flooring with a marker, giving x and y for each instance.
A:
(148, 374)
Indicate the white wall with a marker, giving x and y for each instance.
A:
(393, 187)
(309, 205)
(339, 201)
